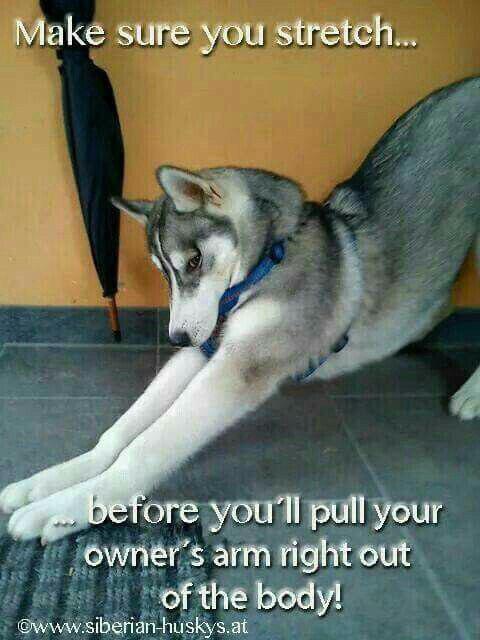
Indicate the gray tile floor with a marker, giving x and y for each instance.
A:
(383, 432)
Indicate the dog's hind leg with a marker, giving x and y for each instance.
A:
(466, 402)
(157, 398)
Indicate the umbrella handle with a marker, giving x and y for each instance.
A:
(114, 322)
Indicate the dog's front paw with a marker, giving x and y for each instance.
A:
(15, 495)
(37, 487)
(50, 481)
(51, 518)
(466, 403)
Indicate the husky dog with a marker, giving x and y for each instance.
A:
(375, 262)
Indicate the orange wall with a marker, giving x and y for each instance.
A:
(309, 113)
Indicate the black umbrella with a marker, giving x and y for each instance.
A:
(95, 143)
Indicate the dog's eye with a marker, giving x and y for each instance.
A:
(194, 262)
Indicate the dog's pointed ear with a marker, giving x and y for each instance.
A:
(140, 210)
(188, 191)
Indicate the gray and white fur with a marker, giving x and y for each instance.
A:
(414, 209)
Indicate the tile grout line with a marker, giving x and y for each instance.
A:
(374, 396)
(430, 573)
(72, 345)
(56, 398)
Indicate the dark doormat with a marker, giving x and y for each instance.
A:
(54, 585)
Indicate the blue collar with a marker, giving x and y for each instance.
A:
(314, 364)
(230, 299)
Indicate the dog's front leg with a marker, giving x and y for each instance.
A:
(156, 399)
(225, 390)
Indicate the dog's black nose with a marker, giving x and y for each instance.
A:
(179, 339)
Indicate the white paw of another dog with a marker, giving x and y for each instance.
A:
(466, 402)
